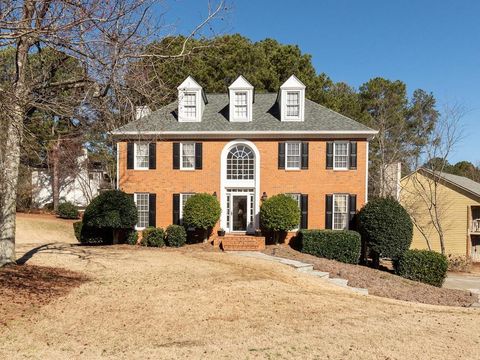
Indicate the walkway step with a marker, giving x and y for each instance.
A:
(339, 282)
(321, 274)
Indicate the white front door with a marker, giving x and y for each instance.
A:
(240, 212)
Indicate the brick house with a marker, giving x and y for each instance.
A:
(243, 147)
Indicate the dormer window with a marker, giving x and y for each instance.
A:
(241, 100)
(293, 104)
(191, 101)
(240, 104)
(190, 105)
(292, 100)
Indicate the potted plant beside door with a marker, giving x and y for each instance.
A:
(221, 232)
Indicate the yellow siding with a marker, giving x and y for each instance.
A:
(454, 212)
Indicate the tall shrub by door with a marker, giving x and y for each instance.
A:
(279, 214)
(201, 211)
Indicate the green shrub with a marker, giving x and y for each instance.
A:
(132, 238)
(425, 266)
(176, 236)
(386, 228)
(67, 210)
(108, 216)
(77, 229)
(342, 245)
(280, 213)
(201, 211)
(153, 237)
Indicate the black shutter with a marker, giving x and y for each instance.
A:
(352, 210)
(304, 155)
(152, 155)
(328, 211)
(353, 155)
(198, 156)
(176, 155)
(330, 155)
(130, 155)
(304, 211)
(176, 209)
(152, 210)
(281, 155)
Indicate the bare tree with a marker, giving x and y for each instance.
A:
(102, 37)
(421, 192)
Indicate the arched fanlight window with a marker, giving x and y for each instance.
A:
(240, 163)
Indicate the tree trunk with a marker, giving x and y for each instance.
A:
(11, 162)
(55, 161)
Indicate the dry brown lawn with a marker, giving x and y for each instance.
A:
(192, 303)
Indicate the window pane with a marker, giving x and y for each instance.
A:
(188, 155)
(142, 155)
(183, 199)
(293, 155)
(240, 105)
(297, 198)
(142, 210)
(240, 163)
(341, 155)
(293, 104)
(340, 212)
(190, 105)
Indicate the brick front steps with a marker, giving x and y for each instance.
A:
(240, 242)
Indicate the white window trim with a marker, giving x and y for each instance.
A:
(291, 117)
(333, 211)
(135, 166)
(286, 155)
(180, 211)
(181, 105)
(181, 156)
(148, 207)
(335, 155)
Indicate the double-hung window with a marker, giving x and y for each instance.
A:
(183, 200)
(240, 105)
(142, 201)
(188, 156)
(190, 105)
(141, 156)
(340, 212)
(298, 199)
(293, 104)
(340, 155)
(293, 155)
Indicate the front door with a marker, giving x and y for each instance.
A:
(239, 212)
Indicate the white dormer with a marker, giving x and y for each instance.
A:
(241, 100)
(292, 100)
(191, 101)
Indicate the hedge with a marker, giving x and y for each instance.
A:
(425, 266)
(67, 210)
(176, 236)
(153, 237)
(132, 238)
(343, 246)
(386, 227)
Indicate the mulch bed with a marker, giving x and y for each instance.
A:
(26, 287)
(379, 283)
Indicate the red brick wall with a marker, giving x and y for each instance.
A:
(316, 181)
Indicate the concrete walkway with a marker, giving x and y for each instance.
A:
(303, 267)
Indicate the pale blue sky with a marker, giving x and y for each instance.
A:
(428, 44)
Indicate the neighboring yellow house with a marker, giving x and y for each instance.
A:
(447, 202)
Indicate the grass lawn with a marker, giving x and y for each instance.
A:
(195, 303)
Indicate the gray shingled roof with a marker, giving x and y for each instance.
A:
(463, 182)
(265, 118)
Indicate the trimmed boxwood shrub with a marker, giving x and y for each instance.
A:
(386, 228)
(132, 238)
(108, 215)
(67, 210)
(279, 213)
(201, 211)
(77, 229)
(176, 236)
(153, 237)
(342, 245)
(425, 266)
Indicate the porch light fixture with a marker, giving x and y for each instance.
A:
(264, 196)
